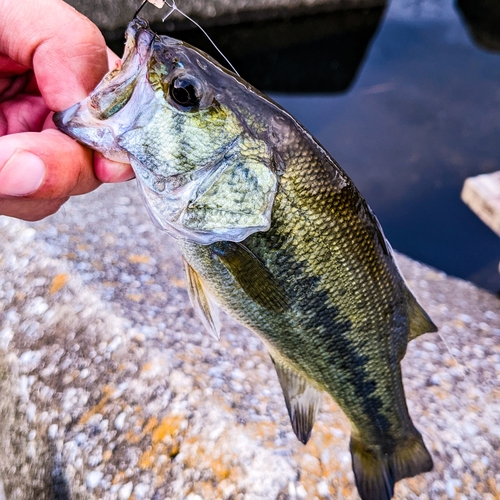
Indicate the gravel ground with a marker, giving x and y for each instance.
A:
(111, 389)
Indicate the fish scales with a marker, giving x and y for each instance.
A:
(330, 336)
(273, 231)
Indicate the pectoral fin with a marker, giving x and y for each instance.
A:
(202, 301)
(251, 274)
(302, 400)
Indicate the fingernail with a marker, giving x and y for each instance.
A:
(22, 174)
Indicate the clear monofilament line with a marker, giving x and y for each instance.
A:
(140, 8)
(168, 15)
(173, 6)
(458, 363)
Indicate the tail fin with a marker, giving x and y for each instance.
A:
(376, 472)
(371, 471)
(410, 457)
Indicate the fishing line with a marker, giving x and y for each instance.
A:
(173, 6)
(140, 8)
(464, 368)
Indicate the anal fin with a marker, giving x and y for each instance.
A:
(202, 301)
(301, 398)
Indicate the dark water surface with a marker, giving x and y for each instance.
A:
(404, 100)
(423, 115)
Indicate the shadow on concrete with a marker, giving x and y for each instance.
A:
(29, 468)
(482, 18)
(60, 485)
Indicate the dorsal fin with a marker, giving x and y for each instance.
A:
(251, 274)
(420, 322)
(202, 301)
(301, 398)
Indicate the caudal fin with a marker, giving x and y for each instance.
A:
(376, 472)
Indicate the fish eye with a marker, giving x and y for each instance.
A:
(185, 91)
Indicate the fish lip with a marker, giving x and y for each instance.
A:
(138, 46)
(139, 39)
(62, 118)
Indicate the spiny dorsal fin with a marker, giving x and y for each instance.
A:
(251, 274)
(302, 400)
(420, 322)
(202, 301)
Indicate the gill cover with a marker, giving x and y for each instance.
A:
(204, 173)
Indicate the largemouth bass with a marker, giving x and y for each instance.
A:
(273, 231)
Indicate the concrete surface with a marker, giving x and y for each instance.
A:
(482, 194)
(111, 15)
(110, 388)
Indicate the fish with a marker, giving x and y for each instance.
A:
(272, 231)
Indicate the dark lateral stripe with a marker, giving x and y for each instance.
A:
(330, 329)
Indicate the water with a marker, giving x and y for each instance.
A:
(405, 101)
(423, 115)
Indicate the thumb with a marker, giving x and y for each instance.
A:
(22, 174)
(44, 165)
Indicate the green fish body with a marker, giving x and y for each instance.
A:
(273, 231)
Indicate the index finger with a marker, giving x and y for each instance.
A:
(65, 49)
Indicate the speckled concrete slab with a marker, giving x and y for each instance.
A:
(110, 388)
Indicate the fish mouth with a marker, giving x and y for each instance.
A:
(89, 120)
(138, 40)
(114, 91)
(63, 118)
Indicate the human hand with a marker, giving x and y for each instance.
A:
(50, 58)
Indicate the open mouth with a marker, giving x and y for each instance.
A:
(86, 120)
